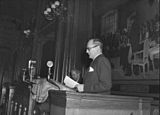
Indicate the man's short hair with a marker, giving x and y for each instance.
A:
(98, 42)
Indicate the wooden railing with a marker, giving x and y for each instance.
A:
(143, 88)
(15, 100)
(11, 101)
(140, 88)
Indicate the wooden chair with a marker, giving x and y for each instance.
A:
(154, 54)
(140, 58)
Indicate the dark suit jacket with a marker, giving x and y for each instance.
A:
(98, 76)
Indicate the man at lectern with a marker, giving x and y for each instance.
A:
(97, 79)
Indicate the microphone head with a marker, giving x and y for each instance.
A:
(49, 63)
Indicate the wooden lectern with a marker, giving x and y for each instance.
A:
(73, 103)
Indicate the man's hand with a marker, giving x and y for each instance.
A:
(80, 87)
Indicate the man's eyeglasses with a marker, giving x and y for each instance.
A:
(89, 48)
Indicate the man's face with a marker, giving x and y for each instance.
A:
(75, 75)
(91, 49)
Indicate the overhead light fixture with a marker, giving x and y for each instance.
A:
(27, 32)
(55, 10)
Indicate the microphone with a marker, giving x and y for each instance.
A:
(49, 65)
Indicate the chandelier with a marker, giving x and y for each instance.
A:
(55, 10)
(27, 33)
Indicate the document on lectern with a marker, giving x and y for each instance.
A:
(70, 82)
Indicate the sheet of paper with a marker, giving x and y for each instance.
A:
(61, 86)
(70, 82)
